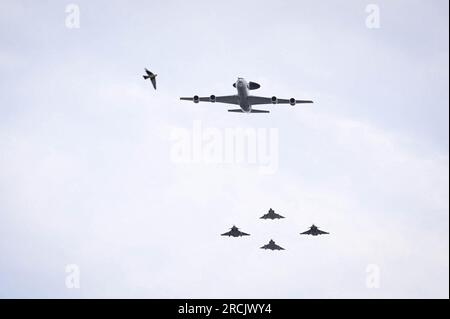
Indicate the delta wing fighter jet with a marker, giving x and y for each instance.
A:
(150, 76)
(235, 232)
(314, 231)
(243, 98)
(271, 215)
(272, 246)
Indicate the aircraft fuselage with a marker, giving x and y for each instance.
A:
(242, 92)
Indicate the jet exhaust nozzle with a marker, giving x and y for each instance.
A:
(292, 101)
(196, 98)
(212, 98)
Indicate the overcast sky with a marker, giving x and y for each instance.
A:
(88, 177)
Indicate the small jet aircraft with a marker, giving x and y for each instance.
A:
(244, 99)
(150, 76)
(235, 232)
(314, 230)
(271, 215)
(272, 246)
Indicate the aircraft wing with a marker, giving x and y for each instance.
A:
(322, 232)
(228, 99)
(226, 234)
(255, 100)
(243, 234)
(308, 232)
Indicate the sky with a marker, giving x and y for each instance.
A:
(91, 178)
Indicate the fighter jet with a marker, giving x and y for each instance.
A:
(244, 99)
(271, 215)
(314, 230)
(235, 232)
(272, 246)
(150, 76)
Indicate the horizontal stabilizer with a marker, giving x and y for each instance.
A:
(252, 111)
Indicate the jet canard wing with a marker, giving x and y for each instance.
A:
(228, 99)
(256, 100)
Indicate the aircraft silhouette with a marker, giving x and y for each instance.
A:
(272, 246)
(235, 232)
(314, 231)
(271, 215)
(150, 76)
(244, 99)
